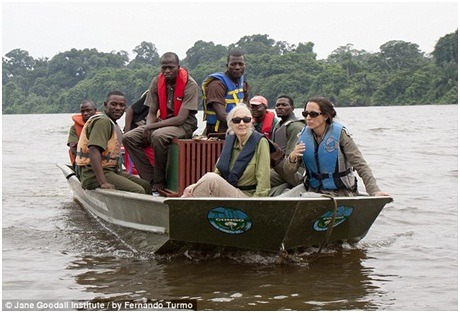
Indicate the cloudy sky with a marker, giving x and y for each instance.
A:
(46, 28)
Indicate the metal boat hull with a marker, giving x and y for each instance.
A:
(263, 224)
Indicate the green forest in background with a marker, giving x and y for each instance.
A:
(398, 74)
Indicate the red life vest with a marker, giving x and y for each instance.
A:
(129, 164)
(181, 81)
(267, 124)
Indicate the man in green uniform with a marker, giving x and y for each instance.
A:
(98, 151)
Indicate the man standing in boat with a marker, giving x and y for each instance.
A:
(87, 109)
(222, 91)
(98, 151)
(175, 94)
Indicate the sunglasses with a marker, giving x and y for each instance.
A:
(237, 120)
(312, 114)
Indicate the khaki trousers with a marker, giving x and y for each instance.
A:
(160, 139)
(300, 191)
(213, 185)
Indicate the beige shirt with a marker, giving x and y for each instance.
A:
(190, 101)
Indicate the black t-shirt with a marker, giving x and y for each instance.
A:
(140, 112)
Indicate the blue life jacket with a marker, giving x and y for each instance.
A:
(327, 167)
(235, 94)
(245, 156)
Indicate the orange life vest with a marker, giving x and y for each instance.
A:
(78, 124)
(181, 81)
(110, 156)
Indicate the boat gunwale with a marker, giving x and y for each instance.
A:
(164, 200)
(173, 210)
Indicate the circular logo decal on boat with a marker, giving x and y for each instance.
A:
(343, 212)
(230, 221)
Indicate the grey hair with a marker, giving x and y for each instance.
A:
(238, 107)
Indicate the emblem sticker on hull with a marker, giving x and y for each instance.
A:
(230, 221)
(343, 212)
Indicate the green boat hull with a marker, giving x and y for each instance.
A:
(262, 224)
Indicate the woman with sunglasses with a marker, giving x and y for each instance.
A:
(329, 154)
(243, 168)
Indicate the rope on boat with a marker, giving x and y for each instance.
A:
(290, 223)
(283, 255)
(330, 227)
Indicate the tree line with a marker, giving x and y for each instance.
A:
(398, 74)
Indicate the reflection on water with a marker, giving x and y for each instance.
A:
(238, 285)
(234, 279)
(108, 270)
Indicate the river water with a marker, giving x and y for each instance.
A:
(53, 250)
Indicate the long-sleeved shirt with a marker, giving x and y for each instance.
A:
(353, 155)
(258, 170)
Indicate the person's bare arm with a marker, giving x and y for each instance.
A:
(220, 112)
(173, 121)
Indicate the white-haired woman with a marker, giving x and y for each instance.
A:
(243, 168)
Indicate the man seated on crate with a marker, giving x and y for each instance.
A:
(98, 151)
(174, 93)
